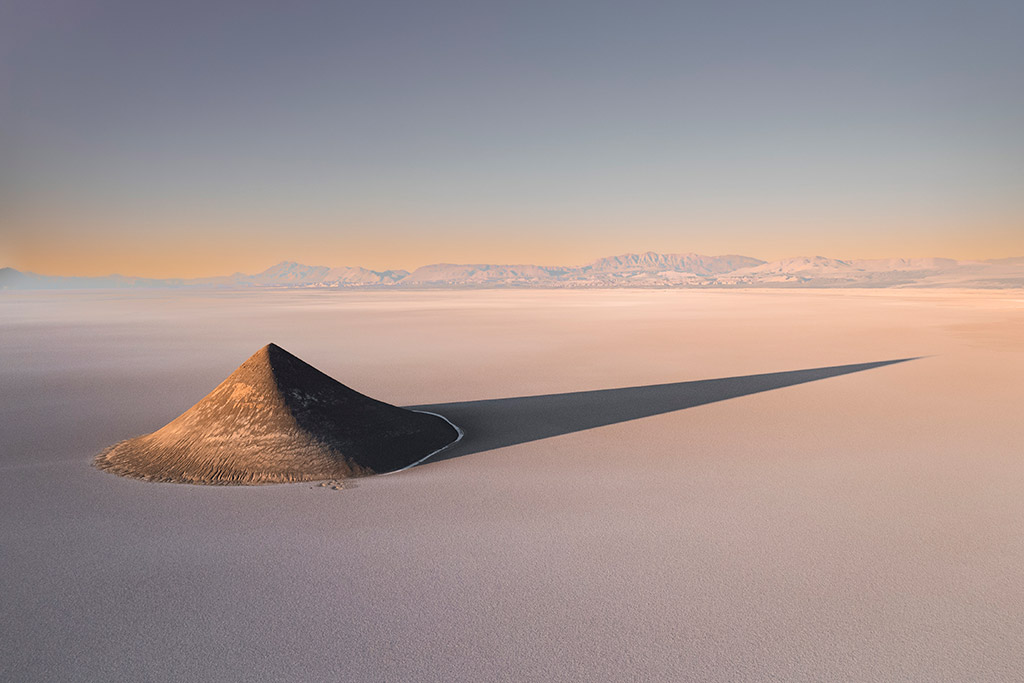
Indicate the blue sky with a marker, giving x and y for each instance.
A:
(190, 138)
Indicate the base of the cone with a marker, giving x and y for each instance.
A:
(427, 457)
(140, 459)
(130, 459)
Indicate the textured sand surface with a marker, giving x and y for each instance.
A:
(860, 526)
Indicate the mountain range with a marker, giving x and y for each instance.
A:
(648, 269)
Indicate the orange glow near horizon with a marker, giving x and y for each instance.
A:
(161, 250)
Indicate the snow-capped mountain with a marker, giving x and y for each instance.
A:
(292, 273)
(477, 274)
(797, 265)
(652, 262)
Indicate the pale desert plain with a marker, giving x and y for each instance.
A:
(858, 524)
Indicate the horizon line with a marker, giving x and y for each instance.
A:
(512, 264)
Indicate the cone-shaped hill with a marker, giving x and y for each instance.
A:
(279, 419)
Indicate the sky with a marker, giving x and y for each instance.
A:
(201, 138)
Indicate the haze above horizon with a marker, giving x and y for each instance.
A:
(191, 139)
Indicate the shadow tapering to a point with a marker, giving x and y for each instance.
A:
(496, 423)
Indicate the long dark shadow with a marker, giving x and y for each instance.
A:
(499, 422)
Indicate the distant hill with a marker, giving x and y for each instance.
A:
(649, 269)
(291, 273)
(651, 262)
(479, 274)
(15, 279)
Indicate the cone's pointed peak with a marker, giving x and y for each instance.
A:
(278, 370)
(269, 356)
(280, 359)
(268, 351)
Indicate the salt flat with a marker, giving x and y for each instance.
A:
(865, 526)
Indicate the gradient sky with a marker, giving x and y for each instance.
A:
(197, 138)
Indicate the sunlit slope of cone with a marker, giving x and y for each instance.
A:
(279, 419)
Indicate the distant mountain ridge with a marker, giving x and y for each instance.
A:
(648, 269)
(651, 262)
